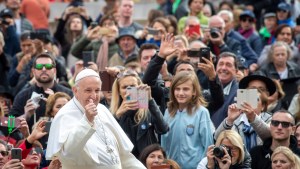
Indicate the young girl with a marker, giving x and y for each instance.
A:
(191, 129)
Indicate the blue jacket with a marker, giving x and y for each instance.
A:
(188, 137)
(218, 116)
(247, 52)
(288, 21)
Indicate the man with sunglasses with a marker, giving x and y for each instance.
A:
(5, 163)
(282, 127)
(44, 73)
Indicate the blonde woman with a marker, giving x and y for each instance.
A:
(235, 155)
(140, 125)
(284, 158)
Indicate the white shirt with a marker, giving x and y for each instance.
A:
(80, 145)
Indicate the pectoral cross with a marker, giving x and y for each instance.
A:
(109, 150)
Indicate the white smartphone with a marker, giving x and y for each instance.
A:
(249, 96)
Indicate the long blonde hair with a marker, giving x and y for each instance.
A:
(117, 100)
(197, 100)
(294, 159)
(235, 140)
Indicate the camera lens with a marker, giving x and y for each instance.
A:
(218, 152)
(214, 32)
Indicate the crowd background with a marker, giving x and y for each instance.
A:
(155, 46)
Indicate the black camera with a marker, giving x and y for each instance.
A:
(219, 152)
(3, 21)
(214, 32)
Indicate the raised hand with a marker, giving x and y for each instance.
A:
(37, 132)
(91, 111)
(167, 46)
(208, 68)
(233, 113)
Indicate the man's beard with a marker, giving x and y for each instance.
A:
(47, 80)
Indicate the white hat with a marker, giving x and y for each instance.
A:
(86, 73)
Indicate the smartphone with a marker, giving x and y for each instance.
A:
(105, 31)
(193, 53)
(132, 91)
(47, 126)
(143, 99)
(108, 79)
(10, 122)
(87, 56)
(249, 96)
(204, 52)
(7, 104)
(163, 166)
(93, 24)
(16, 153)
(152, 31)
(75, 10)
(194, 29)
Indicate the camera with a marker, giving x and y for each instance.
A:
(214, 32)
(219, 152)
(3, 21)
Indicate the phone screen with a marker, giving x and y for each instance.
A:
(204, 52)
(16, 153)
(47, 127)
(193, 53)
(87, 56)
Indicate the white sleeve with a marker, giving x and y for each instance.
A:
(129, 161)
(294, 105)
(77, 137)
(202, 164)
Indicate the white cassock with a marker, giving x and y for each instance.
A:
(78, 145)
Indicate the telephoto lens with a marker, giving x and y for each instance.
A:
(219, 152)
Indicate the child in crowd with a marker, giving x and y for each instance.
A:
(190, 126)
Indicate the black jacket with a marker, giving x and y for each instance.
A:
(261, 155)
(144, 133)
(21, 99)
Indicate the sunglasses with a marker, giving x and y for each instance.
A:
(4, 153)
(48, 66)
(38, 150)
(128, 72)
(284, 124)
(247, 19)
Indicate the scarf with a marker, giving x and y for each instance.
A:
(102, 57)
(249, 137)
(246, 33)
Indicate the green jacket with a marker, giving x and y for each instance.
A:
(202, 19)
(83, 44)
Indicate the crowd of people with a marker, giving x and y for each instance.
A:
(112, 93)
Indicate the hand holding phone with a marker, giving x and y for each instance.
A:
(204, 53)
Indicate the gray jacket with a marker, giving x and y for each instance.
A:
(260, 126)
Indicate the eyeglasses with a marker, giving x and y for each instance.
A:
(127, 72)
(284, 124)
(232, 148)
(247, 19)
(38, 150)
(48, 66)
(4, 153)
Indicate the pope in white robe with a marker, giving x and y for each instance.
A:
(82, 143)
